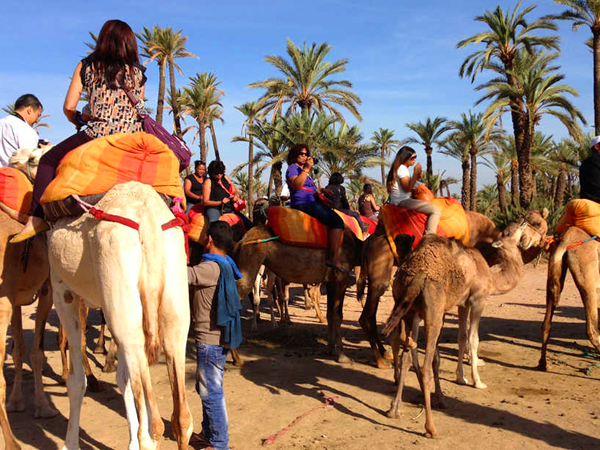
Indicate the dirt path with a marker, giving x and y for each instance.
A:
(286, 369)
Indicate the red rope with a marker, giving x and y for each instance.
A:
(181, 220)
(101, 215)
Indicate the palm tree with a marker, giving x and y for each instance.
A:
(455, 148)
(384, 139)
(475, 134)
(165, 45)
(208, 80)
(500, 163)
(240, 180)
(565, 158)
(307, 83)
(429, 133)
(586, 12)
(509, 148)
(199, 101)
(508, 34)
(487, 202)
(541, 93)
(250, 110)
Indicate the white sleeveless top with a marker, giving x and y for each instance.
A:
(398, 194)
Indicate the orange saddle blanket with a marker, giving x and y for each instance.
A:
(581, 213)
(96, 166)
(199, 224)
(397, 220)
(295, 227)
(15, 189)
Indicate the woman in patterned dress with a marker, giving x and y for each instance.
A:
(113, 63)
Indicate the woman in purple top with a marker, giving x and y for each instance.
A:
(302, 196)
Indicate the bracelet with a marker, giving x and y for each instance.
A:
(304, 170)
(79, 118)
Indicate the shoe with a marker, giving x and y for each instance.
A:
(24, 235)
(334, 267)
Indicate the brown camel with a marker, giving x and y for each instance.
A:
(438, 276)
(377, 266)
(583, 262)
(300, 265)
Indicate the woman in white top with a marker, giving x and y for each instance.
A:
(400, 184)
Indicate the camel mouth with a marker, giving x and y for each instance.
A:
(526, 243)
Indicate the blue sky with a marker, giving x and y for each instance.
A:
(403, 60)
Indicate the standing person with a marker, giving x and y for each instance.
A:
(217, 327)
(113, 63)
(400, 184)
(367, 205)
(193, 184)
(336, 193)
(302, 196)
(219, 195)
(16, 130)
(589, 173)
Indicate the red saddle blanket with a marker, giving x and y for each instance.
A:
(397, 220)
(295, 227)
(15, 189)
(199, 225)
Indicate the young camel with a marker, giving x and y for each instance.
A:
(300, 265)
(377, 266)
(139, 280)
(583, 261)
(438, 276)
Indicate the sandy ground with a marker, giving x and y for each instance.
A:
(286, 368)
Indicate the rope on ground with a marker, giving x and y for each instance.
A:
(329, 403)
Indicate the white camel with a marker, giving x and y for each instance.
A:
(139, 279)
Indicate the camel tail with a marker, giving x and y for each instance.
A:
(151, 282)
(411, 292)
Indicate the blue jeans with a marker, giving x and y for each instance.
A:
(213, 214)
(209, 385)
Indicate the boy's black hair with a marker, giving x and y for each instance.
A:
(336, 178)
(221, 234)
(216, 168)
(26, 100)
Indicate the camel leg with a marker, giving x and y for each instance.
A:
(238, 361)
(405, 361)
(101, 344)
(315, 295)
(463, 316)
(476, 311)
(308, 302)
(42, 405)
(272, 293)
(15, 401)
(368, 322)
(10, 443)
(336, 290)
(68, 312)
(557, 272)
(110, 364)
(63, 345)
(92, 381)
(256, 299)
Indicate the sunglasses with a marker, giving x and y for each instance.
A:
(303, 154)
(412, 157)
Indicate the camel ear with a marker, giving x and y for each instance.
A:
(497, 244)
(545, 213)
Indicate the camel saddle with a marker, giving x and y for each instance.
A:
(580, 213)
(15, 189)
(199, 224)
(397, 220)
(94, 168)
(297, 228)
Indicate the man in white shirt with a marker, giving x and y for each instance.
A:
(16, 130)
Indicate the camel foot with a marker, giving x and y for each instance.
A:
(382, 363)
(462, 381)
(393, 413)
(100, 350)
(432, 434)
(543, 366)
(308, 307)
(439, 402)
(343, 359)
(480, 362)
(110, 367)
(274, 324)
(45, 412)
(92, 384)
(16, 406)
(388, 354)
(238, 362)
(254, 326)
(63, 381)
(479, 385)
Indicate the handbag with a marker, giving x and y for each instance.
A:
(239, 204)
(151, 126)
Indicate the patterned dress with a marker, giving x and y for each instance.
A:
(111, 110)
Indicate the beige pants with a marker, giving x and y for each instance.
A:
(432, 211)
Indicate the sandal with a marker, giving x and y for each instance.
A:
(334, 267)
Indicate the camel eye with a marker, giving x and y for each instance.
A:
(537, 224)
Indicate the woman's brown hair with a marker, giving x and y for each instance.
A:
(403, 155)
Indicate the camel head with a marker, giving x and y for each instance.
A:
(534, 229)
(27, 160)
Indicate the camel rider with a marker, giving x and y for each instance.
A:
(16, 130)
(589, 173)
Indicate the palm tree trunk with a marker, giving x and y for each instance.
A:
(501, 193)
(514, 181)
(596, 34)
(534, 183)
(428, 150)
(525, 179)
(278, 178)
(473, 181)
(214, 141)
(176, 121)
(160, 104)
(466, 187)
(250, 176)
(561, 185)
(202, 131)
(383, 165)
(270, 183)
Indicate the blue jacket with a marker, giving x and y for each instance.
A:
(228, 300)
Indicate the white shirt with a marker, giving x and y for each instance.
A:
(398, 194)
(15, 133)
